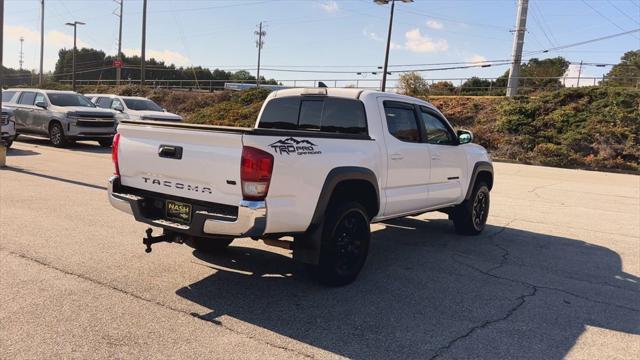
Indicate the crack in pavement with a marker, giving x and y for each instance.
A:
(154, 302)
(521, 299)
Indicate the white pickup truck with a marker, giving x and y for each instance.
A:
(319, 166)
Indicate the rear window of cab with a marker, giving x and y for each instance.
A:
(315, 113)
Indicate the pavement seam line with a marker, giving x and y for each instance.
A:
(154, 302)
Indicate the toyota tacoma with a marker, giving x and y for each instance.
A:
(319, 166)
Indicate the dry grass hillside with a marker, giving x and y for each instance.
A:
(593, 128)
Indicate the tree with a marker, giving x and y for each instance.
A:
(442, 88)
(475, 86)
(242, 75)
(627, 72)
(537, 74)
(413, 84)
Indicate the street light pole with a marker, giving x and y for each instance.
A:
(41, 75)
(73, 66)
(386, 54)
(119, 57)
(144, 43)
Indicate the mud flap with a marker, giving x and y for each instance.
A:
(306, 247)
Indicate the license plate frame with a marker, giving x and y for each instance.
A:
(178, 211)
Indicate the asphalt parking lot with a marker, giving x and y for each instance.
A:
(555, 275)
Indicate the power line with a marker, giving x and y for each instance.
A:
(604, 17)
(540, 23)
(208, 7)
(584, 42)
(623, 13)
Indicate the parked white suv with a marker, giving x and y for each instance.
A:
(133, 107)
(320, 165)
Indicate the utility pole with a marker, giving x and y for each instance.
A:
(41, 75)
(21, 57)
(144, 40)
(518, 43)
(579, 73)
(1, 43)
(259, 44)
(73, 65)
(383, 86)
(119, 57)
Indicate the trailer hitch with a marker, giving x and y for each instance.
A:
(165, 237)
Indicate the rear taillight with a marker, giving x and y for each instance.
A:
(255, 173)
(114, 154)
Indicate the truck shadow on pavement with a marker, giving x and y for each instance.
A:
(89, 146)
(428, 293)
(21, 152)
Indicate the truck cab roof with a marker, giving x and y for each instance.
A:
(349, 93)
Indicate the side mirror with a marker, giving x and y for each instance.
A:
(119, 108)
(465, 136)
(163, 109)
(41, 104)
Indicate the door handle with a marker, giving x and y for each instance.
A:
(170, 152)
(397, 156)
(435, 156)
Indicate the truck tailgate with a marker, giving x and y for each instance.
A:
(180, 161)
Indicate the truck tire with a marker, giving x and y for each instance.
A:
(470, 217)
(105, 142)
(57, 136)
(345, 244)
(209, 245)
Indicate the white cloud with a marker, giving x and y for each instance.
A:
(416, 42)
(54, 40)
(54, 37)
(435, 25)
(168, 56)
(479, 59)
(15, 32)
(61, 39)
(371, 35)
(572, 72)
(329, 6)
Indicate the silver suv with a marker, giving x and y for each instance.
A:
(62, 116)
(7, 127)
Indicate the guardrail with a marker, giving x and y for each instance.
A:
(526, 83)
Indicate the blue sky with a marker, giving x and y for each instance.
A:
(328, 35)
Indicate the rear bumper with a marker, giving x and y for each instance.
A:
(251, 219)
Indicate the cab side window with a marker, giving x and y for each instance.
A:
(116, 104)
(39, 98)
(437, 131)
(27, 98)
(402, 122)
(104, 102)
(315, 113)
(7, 96)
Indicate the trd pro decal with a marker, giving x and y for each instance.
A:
(292, 146)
